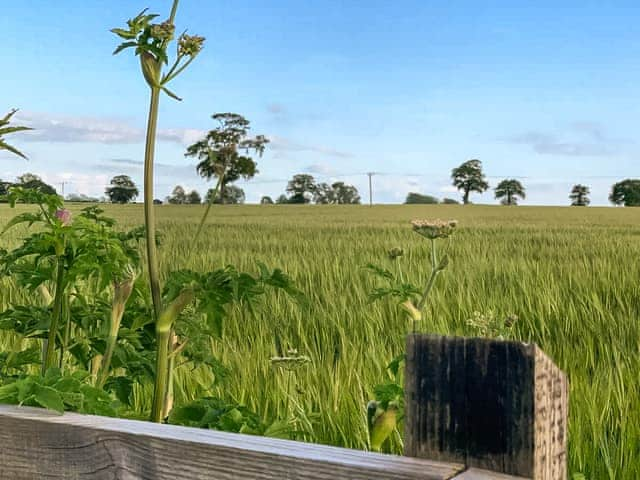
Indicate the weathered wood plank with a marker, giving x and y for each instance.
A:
(489, 404)
(36, 444)
(476, 474)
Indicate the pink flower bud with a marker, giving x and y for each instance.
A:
(64, 216)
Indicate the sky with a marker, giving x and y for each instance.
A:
(547, 92)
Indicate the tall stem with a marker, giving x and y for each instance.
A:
(149, 211)
(162, 371)
(432, 278)
(152, 256)
(50, 358)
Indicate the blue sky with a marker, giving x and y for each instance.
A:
(544, 92)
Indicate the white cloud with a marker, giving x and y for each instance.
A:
(76, 129)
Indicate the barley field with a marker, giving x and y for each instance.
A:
(570, 275)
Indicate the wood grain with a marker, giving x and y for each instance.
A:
(36, 444)
(489, 404)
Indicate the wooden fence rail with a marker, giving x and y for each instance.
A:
(38, 444)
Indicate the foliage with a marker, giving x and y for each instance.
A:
(6, 129)
(233, 195)
(508, 191)
(417, 198)
(219, 152)
(336, 193)
(450, 201)
(301, 187)
(178, 196)
(193, 198)
(626, 192)
(266, 200)
(580, 196)
(122, 189)
(469, 177)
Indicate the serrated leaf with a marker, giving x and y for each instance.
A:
(48, 398)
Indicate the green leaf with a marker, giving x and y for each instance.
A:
(122, 33)
(124, 46)
(171, 94)
(48, 398)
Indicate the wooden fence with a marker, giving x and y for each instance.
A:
(476, 410)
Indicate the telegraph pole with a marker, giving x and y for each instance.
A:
(62, 184)
(370, 174)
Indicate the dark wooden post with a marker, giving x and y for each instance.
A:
(491, 404)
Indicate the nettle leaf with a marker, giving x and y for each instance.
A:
(122, 387)
(48, 398)
(28, 217)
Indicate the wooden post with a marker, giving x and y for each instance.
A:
(491, 404)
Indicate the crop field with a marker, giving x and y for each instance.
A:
(570, 275)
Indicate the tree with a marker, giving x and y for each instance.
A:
(509, 191)
(122, 189)
(34, 182)
(218, 153)
(414, 198)
(302, 188)
(626, 192)
(178, 196)
(194, 198)
(232, 195)
(5, 129)
(282, 199)
(345, 194)
(450, 201)
(323, 193)
(468, 177)
(266, 200)
(580, 196)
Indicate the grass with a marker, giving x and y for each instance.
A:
(571, 275)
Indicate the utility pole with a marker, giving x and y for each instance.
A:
(370, 174)
(62, 185)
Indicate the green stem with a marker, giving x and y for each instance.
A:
(149, 210)
(162, 371)
(432, 278)
(67, 329)
(50, 358)
(212, 199)
(116, 318)
(168, 396)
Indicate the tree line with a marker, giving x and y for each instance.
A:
(225, 154)
(469, 178)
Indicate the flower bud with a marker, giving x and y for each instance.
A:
(412, 311)
(433, 229)
(394, 253)
(190, 45)
(163, 31)
(64, 216)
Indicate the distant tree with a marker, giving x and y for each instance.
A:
(282, 199)
(450, 201)
(233, 195)
(413, 198)
(157, 201)
(178, 196)
(302, 188)
(626, 192)
(345, 194)
(468, 177)
(323, 193)
(34, 182)
(580, 196)
(194, 198)
(122, 189)
(4, 187)
(6, 129)
(218, 153)
(266, 200)
(508, 191)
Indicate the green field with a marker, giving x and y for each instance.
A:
(571, 275)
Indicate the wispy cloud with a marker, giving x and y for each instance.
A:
(79, 129)
(580, 139)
